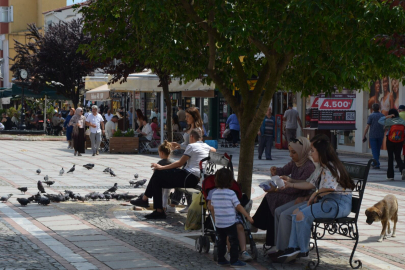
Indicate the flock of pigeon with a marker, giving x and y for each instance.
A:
(44, 198)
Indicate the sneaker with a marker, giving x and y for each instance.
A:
(290, 255)
(170, 209)
(184, 210)
(303, 254)
(238, 264)
(245, 256)
(390, 179)
(139, 202)
(260, 157)
(156, 215)
(227, 257)
(272, 250)
(94, 154)
(277, 254)
(224, 263)
(403, 174)
(266, 248)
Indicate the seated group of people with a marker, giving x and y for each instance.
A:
(284, 213)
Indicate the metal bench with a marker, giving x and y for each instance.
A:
(347, 226)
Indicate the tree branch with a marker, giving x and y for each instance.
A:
(226, 91)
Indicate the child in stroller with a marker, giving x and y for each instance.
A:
(223, 201)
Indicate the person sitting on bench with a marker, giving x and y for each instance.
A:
(170, 176)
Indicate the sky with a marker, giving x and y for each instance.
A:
(71, 2)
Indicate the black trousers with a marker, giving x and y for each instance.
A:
(232, 233)
(264, 220)
(394, 150)
(168, 179)
(235, 136)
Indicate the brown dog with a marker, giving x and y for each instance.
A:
(384, 211)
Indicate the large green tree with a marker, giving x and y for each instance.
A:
(309, 46)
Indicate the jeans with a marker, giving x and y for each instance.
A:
(95, 139)
(290, 133)
(301, 230)
(232, 233)
(265, 142)
(168, 179)
(394, 149)
(375, 144)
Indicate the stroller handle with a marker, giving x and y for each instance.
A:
(201, 163)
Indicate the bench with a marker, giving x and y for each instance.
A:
(347, 226)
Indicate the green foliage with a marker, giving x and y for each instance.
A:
(117, 133)
(130, 133)
(11, 111)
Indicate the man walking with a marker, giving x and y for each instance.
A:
(376, 134)
(266, 135)
(96, 123)
(182, 118)
(291, 118)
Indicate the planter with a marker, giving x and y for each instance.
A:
(124, 145)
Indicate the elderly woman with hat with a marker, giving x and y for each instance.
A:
(299, 168)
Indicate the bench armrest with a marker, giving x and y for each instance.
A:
(319, 196)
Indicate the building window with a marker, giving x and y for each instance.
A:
(6, 14)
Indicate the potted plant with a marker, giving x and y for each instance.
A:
(124, 142)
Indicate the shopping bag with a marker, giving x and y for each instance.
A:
(194, 218)
(212, 143)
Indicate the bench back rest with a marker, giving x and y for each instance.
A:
(359, 173)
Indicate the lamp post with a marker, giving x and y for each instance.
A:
(23, 77)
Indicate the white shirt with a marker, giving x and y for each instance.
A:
(196, 152)
(148, 131)
(109, 127)
(95, 120)
(108, 117)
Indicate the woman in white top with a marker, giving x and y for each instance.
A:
(333, 198)
(146, 131)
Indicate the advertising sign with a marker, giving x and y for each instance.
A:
(337, 112)
(222, 127)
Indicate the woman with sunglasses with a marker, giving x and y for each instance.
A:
(300, 168)
(333, 198)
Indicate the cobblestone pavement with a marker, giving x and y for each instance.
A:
(110, 235)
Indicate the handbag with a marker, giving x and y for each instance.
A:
(226, 132)
(87, 132)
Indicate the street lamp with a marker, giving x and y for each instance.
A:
(23, 76)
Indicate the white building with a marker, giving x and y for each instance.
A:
(64, 14)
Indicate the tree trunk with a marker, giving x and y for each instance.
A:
(165, 86)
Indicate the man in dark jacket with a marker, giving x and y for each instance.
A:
(266, 135)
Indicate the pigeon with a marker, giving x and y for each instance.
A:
(108, 196)
(139, 183)
(101, 196)
(46, 178)
(70, 194)
(131, 182)
(49, 183)
(106, 170)
(23, 189)
(112, 190)
(112, 173)
(72, 169)
(39, 171)
(136, 176)
(40, 187)
(61, 172)
(80, 197)
(23, 201)
(4, 199)
(89, 166)
(44, 201)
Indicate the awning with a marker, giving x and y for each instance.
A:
(101, 93)
(49, 92)
(93, 82)
(5, 92)
(200, 94)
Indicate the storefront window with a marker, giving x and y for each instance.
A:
(346, 137)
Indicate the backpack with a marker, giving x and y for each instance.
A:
(396, 133)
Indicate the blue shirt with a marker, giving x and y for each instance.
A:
(233, 122)
(376, 129)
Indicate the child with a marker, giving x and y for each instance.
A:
(224, 205)
(164, 153)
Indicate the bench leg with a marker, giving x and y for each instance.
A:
(357, 263)
(312, 264)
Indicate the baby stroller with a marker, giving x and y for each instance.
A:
(208, 230)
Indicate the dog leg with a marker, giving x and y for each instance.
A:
(383, 232)
(389, 228)
(395, 224)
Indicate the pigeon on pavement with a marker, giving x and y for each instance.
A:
(108, 196)
(49, 183)
(5, 198)
(136, 176)
(72, 169)
(112, 173)
(61, 172)
(23, 189)
(139, 183)
(46, 178)
(40, 187)
(106, 170)
(112, 190)
(38, 171)
(89, 166)
(23, 201)
(44, 201)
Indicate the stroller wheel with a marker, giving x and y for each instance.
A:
(253, 250)
(206, 241)
(215, 253)
(199, 242)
